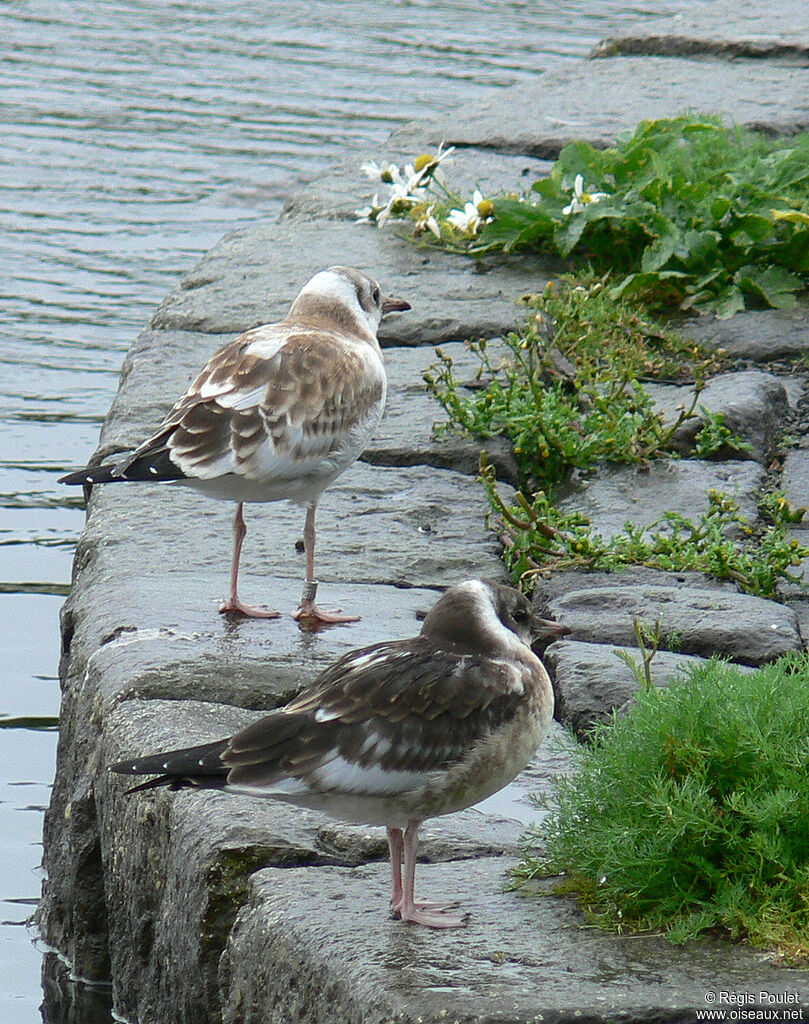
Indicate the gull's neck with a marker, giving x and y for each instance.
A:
(329, 302)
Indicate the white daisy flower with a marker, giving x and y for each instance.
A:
(401, 198)
(369, 214)
(388, 174)
(428, 222)
(581, 199)
(474, 214)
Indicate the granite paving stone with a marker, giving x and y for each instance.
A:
(251, 277)
(314, 946)
(795, 481)
(724, 29)
(591, 680)
(538, 120)
(754, 405)
(762, 335)
(613, 495)
(704, 621)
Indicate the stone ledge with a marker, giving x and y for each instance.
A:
(237, 285)
(539, 120)
(591, 681)
(724, 29)
(750, 630)
(613, 495)
(319, 946)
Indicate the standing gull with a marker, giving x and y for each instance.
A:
(397, 732)
(279, 413)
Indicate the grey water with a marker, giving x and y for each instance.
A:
(134, 134)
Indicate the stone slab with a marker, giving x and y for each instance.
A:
(724, 29)
(252, 276)
(406, 526)
(755, 406)
(746, 629)
(312, 947)
(598, 100)
(406, 435)
(614, 495)
(591, 681)
(761, 335)
(549, 587)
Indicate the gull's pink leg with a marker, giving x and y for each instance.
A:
(395, 845)
(308, 612)
(233, 605)
(432, 915)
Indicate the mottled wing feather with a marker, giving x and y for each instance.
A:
(403, 707)
(265, 400)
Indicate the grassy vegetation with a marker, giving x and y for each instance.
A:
(596, 410)
(689, 814)
(687, 211)
(538, 537)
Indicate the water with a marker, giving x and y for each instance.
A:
(134, 135)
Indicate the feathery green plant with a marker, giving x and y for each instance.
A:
(689, 814)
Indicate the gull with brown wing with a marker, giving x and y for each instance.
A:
(277, 414)
(397, 732)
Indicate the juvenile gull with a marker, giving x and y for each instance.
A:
(279, 413)
(395, 733)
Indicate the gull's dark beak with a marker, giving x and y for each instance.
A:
(545, 631)
(394, 306)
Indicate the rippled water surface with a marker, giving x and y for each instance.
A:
(134, 135)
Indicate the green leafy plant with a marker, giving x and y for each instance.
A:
(648, 639)
(686, 210)
(689, 814)
(714, 437)
(592, 409)
(539, 538)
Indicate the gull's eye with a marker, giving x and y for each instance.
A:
(375, 296)
(520, 614)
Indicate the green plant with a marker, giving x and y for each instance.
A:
(685, 210)
(539, 538)
(689, 814)
(714, 437)
(648, 638)
(597, 410)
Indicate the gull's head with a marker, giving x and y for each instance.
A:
(345, 298)
(482, 616)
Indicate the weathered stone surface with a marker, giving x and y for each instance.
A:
(252, 276)
(540, 119)
(761, 335)
(754, 405)
(407, 526)
(312, 948)
(795, 481)
(615, 495)
(723, 29)
(406, 437)
(750, 630)
(565, 581)
(591, 681)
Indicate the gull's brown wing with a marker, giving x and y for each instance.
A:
(267, 402)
